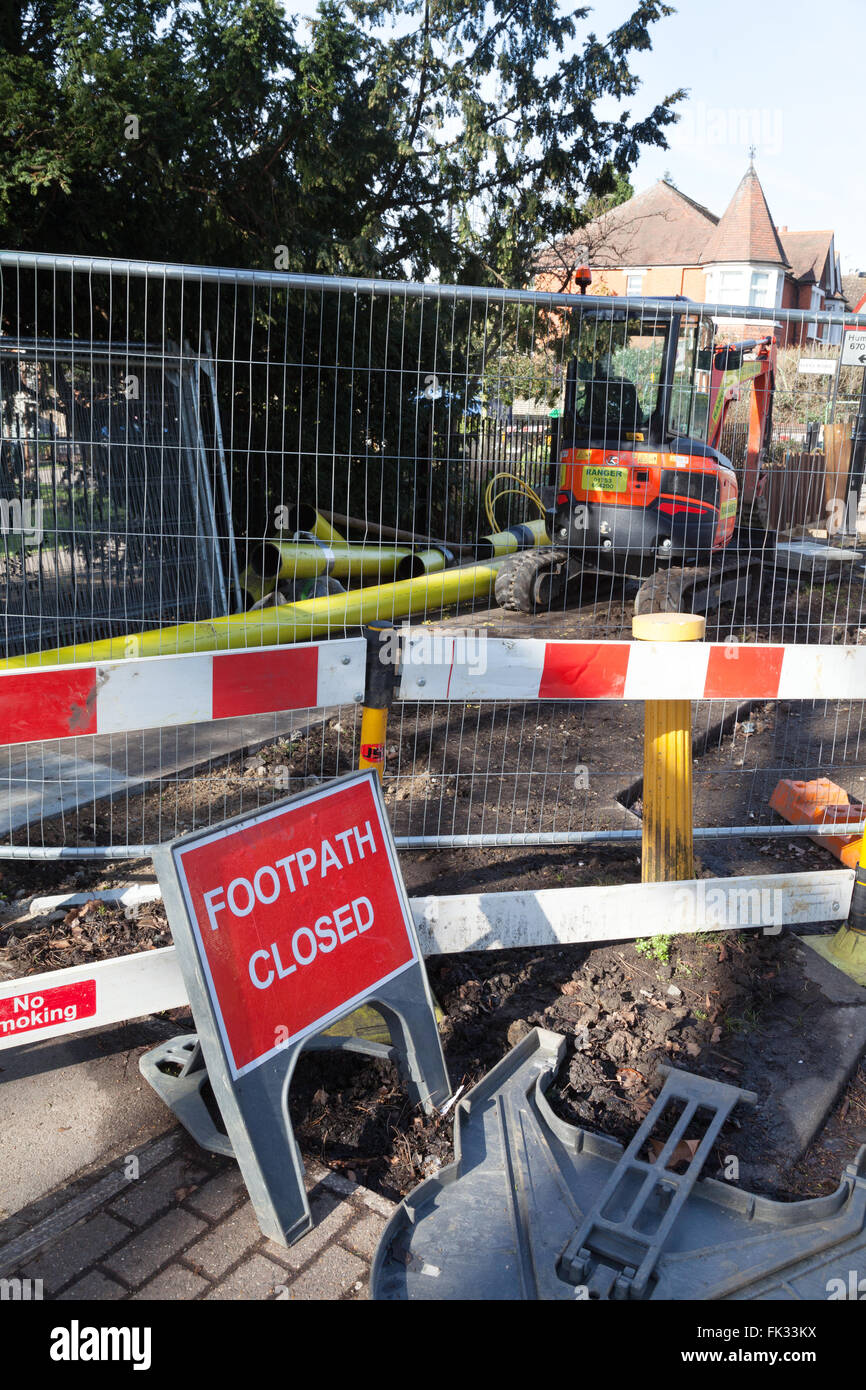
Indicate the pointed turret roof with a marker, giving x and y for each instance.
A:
(746, 231)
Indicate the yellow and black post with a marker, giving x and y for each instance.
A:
(668, 841)
(379, 684)
(380, 681)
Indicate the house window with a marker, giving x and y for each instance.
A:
(634, 284)
(760, 288)
(730, 286)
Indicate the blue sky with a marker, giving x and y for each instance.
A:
(786, 75)
(791, 75)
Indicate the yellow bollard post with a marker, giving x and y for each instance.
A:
(668, 844)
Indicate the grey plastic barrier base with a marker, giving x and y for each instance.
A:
(182, 1091)
(176, 1070)
(534, 1208)
(255, 1107)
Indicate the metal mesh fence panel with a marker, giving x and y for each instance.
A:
(236, 459)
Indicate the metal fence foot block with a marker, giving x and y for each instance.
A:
(531, 1203)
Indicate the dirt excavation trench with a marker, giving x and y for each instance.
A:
(751, 1009)
(738, 1006)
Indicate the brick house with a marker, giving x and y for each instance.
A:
(662, 242)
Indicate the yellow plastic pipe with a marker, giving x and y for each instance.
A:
(289, 560)
(527, 536)
(286, 623)
(524, 536)
(668, 840)
(424, 562)
(297, 560)
(304, 517)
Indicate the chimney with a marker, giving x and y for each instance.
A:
(781, 229)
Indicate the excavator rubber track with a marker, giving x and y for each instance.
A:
(518, 587)
(689, 589)
(699, 589)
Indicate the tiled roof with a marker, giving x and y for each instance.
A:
(854, 289)
(746, 231)
(661, 226)
(807, 253)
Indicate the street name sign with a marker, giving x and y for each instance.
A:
(817, 366)
(284, 922)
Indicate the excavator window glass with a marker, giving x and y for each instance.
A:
(701, 399)
(613, 385)
(680, 408)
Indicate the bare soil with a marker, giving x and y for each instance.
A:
(706, 1004)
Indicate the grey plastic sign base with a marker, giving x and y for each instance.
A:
(534, 1208)
(272, 954)
(177, 1073)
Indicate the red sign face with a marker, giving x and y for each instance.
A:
(297, 913)
(21, 1013)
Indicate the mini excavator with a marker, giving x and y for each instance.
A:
(639, 486)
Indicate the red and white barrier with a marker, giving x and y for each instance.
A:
(161, 691)
(89, 996)
(468, 665)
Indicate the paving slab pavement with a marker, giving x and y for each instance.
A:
(169, 1221)
(103, 1196)
(70, 1103)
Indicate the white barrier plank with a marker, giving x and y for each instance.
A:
(150, 982)
(617, 912)
(89, 996)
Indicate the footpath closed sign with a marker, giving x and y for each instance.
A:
(285, 921)
(298, 915)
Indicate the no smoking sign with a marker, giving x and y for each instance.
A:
(285, 921)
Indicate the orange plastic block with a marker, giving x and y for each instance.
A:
(821, 803)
